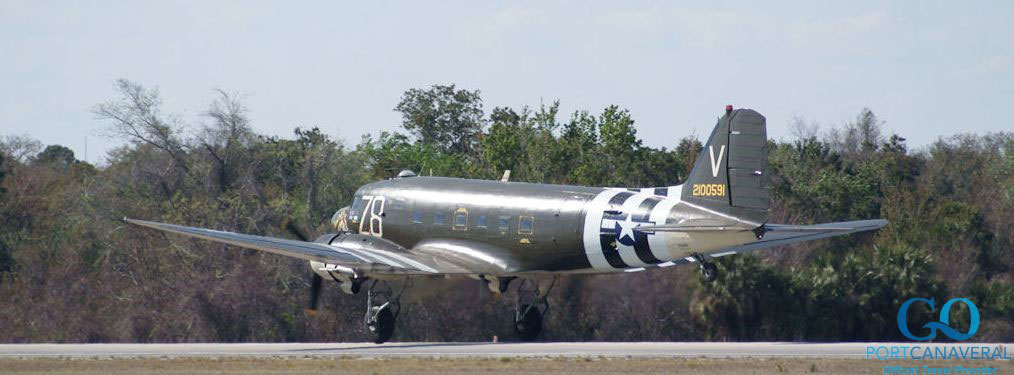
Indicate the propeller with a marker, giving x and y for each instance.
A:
(315, 285)
(316, 281)
(299, 233)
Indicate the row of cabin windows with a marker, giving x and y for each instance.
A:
(526, 224)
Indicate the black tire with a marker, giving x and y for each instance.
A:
(709, 272)
(529, 325)
(383, 328)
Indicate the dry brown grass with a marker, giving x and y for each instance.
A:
(417, 365)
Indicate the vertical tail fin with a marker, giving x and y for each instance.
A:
(729, 175)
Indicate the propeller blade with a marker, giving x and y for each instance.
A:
(299, 233)
(317, 281)
(315, 285)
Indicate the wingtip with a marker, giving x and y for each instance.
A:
(133, 221)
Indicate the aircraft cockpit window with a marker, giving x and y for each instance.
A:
(417, 217)
(505, 223)
(438, 218)
(525, 224)
(481, 222)
(357, 206)
(460, 219)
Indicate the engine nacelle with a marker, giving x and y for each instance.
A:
(349, 280)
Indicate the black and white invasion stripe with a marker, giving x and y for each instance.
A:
(649, 206)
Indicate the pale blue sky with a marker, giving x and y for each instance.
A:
(928, 68)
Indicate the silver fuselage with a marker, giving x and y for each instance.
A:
(503, 228)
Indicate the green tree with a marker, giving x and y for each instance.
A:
(749, 300)
(687, 151)
(137, 117)
(3, 173)
(858, 297)
(502, 145)
(227, 139)
(391, 153)
(620, 146)
(6, 261)
(444, 117)
(579, 151)
(56, 154)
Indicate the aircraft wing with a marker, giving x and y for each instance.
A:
(357, 257)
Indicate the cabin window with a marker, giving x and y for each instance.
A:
(505, 223)
(460, 219)
(438, 218)
(417, 217)
(525, 224)
(399, 205)
(481, 222)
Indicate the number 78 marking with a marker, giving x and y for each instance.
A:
(373, 214)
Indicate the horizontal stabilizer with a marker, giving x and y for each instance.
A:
(770, 235)
(687, 228)
(778, 235)
(696, 225)
(874, 224)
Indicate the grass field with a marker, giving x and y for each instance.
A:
(417, 365)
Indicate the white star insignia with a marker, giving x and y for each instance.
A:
(627, 227)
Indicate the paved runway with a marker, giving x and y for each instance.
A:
(420, 349)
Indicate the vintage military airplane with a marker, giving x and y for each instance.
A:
(501, 231)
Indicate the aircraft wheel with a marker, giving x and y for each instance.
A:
(382, 325)
(528, 323)
(709, 272)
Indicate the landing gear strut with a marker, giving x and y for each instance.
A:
(531, 305)
(497, 285)
(709, 272)
(382, 308)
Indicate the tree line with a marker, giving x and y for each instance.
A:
(71, 271)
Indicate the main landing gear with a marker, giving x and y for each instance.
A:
(530, 306)
(382, 307)
(709, 272)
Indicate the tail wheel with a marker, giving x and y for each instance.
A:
(528, 323)
(382, 325)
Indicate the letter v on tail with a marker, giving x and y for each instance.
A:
(716, 163)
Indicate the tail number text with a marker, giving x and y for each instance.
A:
(708, 190)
